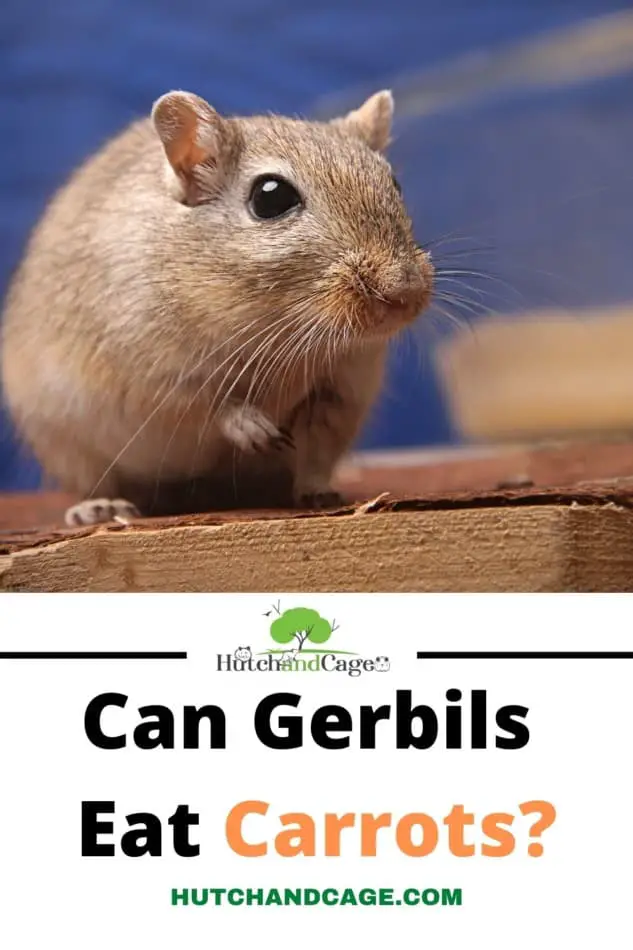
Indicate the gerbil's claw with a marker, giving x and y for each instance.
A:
(100, 511)
(286, 438)
(252, 431)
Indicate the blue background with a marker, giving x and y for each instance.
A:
(535, 183)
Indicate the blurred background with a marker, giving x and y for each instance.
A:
(513, 140)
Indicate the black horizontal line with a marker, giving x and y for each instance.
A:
(532, 655)
(93, 655)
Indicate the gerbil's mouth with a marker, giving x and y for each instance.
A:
(377, 296)
(386, 317)
(395, 302)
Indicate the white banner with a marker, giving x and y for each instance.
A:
(227, 771)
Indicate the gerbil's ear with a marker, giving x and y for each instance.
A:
(372, 121)
(197, 142)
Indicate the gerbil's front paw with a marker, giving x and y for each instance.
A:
(319, 499)
(252, 431)
(101, 510)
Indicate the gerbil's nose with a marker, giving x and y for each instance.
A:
(400, 292)
(409, 284)
(384, 291)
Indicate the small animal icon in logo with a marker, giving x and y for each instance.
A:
(382, 664)
(289, 656)
(243, 653)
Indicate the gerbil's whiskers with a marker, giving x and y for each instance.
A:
(214, 410)
(445, 274)
(149, 418)
(262, 349)
(234, 357)
(182, 378)
(285, 358)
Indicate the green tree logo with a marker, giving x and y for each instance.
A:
(301, 624)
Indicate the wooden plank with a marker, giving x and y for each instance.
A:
(431, 535)
(527, 548)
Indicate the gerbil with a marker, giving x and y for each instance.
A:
(202, 315)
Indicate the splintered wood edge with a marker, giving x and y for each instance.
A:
(542, 547)
(619, 492)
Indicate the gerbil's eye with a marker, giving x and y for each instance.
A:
(396, 184)
(272, 197)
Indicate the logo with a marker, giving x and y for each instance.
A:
(300, 643)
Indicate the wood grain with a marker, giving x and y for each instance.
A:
(534, 548)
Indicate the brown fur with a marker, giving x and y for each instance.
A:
(151, 313)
